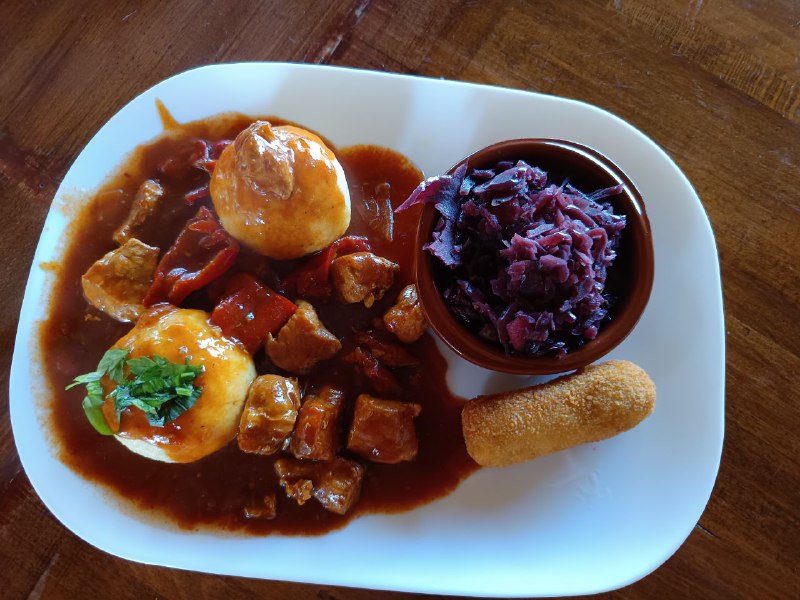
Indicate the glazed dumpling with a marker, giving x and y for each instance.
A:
(213, 421)
(281, 191)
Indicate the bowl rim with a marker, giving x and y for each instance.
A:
(464, 343)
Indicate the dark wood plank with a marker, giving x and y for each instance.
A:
(717, 84)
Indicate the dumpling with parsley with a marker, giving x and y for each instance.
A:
(174, 387)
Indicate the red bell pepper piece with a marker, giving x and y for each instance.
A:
(312, 279)
(250, 310)
(388, 352)
(207, 157)
(195, 196)
(182, 157)
(218, 147)
(378, 377)
(202, 252)
(208, 161)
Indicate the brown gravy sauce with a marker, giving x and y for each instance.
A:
(212, 492)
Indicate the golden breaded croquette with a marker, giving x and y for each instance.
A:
(591, 405)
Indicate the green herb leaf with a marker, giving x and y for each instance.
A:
(141, 365)
(112, 365)
(87, 378)
(113, 362)
(162, 390)
(94, 412)
(181, 404)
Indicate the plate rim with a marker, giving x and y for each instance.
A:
(27, 332)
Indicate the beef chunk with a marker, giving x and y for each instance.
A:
(383, 430)
(316, 436)
(300, 490)
(118, 282)
(336, 484)
(145, 204)
(267, 508)
(302, 342)
(362, 277)
(405, 319)
(269, 414)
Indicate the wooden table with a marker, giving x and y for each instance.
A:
(717, 85)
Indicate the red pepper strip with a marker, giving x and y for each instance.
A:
(312, 279)
(183, 157)
(208, 161)
(350, 244)
(195, 196)
(206, 164)
(202, 252)
(379, 377)
(218, 147)
(250, 310)
(389, 353)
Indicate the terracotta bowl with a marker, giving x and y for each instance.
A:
(630, 278)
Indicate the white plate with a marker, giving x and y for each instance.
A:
(581, 521)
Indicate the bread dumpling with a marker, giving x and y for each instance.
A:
(281, 191)
(213, 421)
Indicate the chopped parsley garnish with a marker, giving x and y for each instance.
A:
(161, 389)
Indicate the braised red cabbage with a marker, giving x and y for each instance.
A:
(525, 260)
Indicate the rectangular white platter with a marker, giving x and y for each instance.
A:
(582, 521)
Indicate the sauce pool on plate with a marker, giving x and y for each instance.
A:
(216, 490)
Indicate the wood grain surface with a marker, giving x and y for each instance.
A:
(716, 84)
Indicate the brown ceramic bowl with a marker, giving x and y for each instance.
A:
(630, 278)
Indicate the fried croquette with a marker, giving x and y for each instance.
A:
(596, 403)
